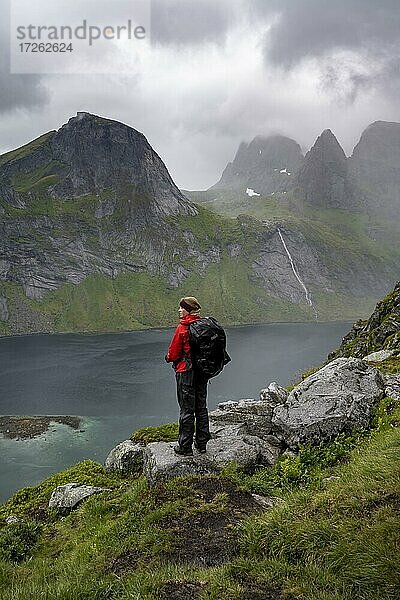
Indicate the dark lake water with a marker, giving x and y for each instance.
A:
(120, 382)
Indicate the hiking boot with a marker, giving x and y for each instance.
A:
(182, 451)
(200, 449)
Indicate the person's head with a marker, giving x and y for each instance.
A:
(188, 306)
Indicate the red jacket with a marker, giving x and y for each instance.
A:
(179, 346)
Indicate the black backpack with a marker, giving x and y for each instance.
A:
(208, 346)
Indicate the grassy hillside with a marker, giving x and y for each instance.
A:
(332, 534)
(227, 286)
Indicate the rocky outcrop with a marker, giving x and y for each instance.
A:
(380, 332)
(241, 433)
(375, 167)
(87, 156)
(249, 417)
(379, 356)
(324, 180)
(161, 463)
(338, 398)
(392, 386)
(66, 497)
(265, 165)
(127, 457)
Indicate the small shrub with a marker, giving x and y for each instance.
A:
(18, 539)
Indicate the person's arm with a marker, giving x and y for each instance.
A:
(175, 350)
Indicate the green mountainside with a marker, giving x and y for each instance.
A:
(92, 229)
(331, 534)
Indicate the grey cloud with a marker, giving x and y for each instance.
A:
(177, 22)
(310, 28)
(16, 91)
(315, 28)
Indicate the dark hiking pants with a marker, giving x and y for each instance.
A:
(192, 399)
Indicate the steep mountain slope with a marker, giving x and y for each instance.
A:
(323, 181)
(93, 230)
(375, 167)
(86, 156)
(264, 165)
(381, 331)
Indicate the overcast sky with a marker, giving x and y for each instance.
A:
(219, 72)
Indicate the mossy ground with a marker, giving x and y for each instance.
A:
(332, 534)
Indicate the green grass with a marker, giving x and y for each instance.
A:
(390, 365)
(333, 534)
(339, 542)
(161, 433)
(27, 149)
(126, 302)
(28, 500)
(37, 180)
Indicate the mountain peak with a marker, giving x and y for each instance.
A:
(328, 141)
(89, 155)
(266, 164)
(323, 180)
(375, 166)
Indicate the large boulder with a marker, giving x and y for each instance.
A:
(127, 457)
(249, 416)
(66, 497)
(337, 398)
(162, 463)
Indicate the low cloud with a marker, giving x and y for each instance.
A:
(184, 22)
(355, 41)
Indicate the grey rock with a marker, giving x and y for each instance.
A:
(4, 268)
(324, 178)
(228, 404)
(125, 457)
(3, 309)
(266, 502)
(392, 386)
(267, 454)
(160, 463)
(340, 396)
(105, 208)
(378, 356)
(255, 414)
(288, 453)
(66, 497)
(243, 451)
(274, 394)
(375, 166)
(221, 429)
(12, 519)
(266, 165)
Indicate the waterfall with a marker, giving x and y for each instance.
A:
(307, 294)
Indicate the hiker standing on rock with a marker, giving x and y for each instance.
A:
(191, 385)
(198, 352)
